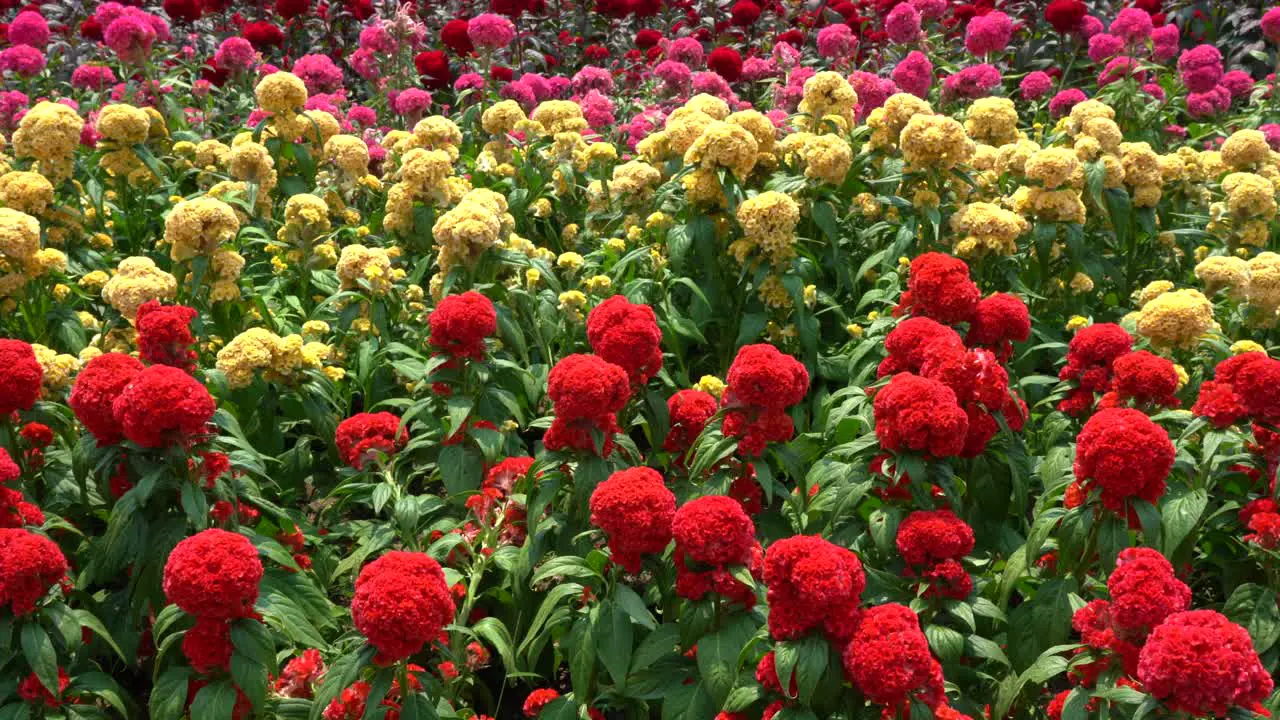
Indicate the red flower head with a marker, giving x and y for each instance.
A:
(647, 38)
(95, 391)
(163, 406)
(1219, 403)
(1200, 663)
(635, 509)
(300, 675)
(183, 10)
(34, 691)
(889, 659)
(812, 583)
(1146, 379)
(433, 66)
(626, 335)
(1065, 15)
(767, 676)
(762, 376)
(454, 36)
(1255, 379)
(1000, 320)
(537, 700)
(939, 287)
(290, 9)
(689, 411)
(926, 537)
(32, 564)
(947, 579)
(38, 435)
(714, 530)
(213, 574)
(1144, 591)
(975, 376)
(207, 645)
(164, 335)
(744, 13)
(1090, 354)
(9, 470)
(460, 323)
(402, 602)
(726, 62)
(1125, 455)
(20, 376)
(263, 35)
(363, 436)
(505, 474)
(917, 414)
(914, 341)
(585, 386)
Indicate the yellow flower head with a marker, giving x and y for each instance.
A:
(199, 226)
(1178, 318)
(711, 385)
(136, 281)
(123, 124)
(281, 93)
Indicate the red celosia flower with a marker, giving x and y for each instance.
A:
(947, 579)
(626, 335)
(1220, 404)
(207, 645)
(290, 9)
(504, 475)
(920, 415)
(363, 436)
(744, 13)
(713, 530)
(349, 705)
(586, 391)
(1065, 15)
(95, 391)
(762, 376)
(1200, 663)
(767, 675)
(460, 323)
(812, 583)
(939, 287)
(34, 691)
(537, 700)
(1254, 379)
(433, 66)
(38, 435)
(32, 564)
(689, 411)
(300, 675)
(402, 602)
(1146, 379)
(477, 655)
(9, 470)
(1266, 530)
(889, 659)
(726, 62)
(1000, 320)
(635, 509)
(926, 537)
(163, 406)
(647, 38)
(1144, 590)
(187, 11)
(1125, 455)
(975, 376)
(1090, 354)
(263, 35)
(20, 376)
(213, 574)
(164, 335)
(454, 36)
(915, 340)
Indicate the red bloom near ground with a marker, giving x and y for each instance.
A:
(812, 583)
(97, 386)
(32, 564)
(1199, 662)
(939, 287)
(213, 574)
(362, 437)
(889, 659)
(401, 603)
(929, 536)
(635, 509)
(164, 335)
(1144, 590)
(460, 324)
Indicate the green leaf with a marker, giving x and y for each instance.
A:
(581, 646)
(1253, 607)
(460, 469)
(742, 698)
(341, 673)
(37, 648)
(100, 684)
(1074, 707)
(1180, 517)
(718, 657)
(252, 640)
(169, 695)
(215, 701)
(89, 620)
(614, 641)
(656, 645)
(812, 657)
(633, 604)
(493, 630)
(251, 677)
(946, 643)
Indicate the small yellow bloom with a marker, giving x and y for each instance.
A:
(711, 385)
(855, 330)
(1240, 347)
(569, 261)
(1076, 322)
(532, 277)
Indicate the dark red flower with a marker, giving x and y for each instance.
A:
(626, 335)
(689, 411)
(290, 9)
(926, 537)
(939, 287)
(1125, 455)
(811, 584)
(635, 509)
(726, 62)
(744, 13)
(164, 335)
(917, 414)
(1144, 591)
(38, 435)
(460, 324)
(34, 691)
(454, 36)
(20, 376)
(163, 406)
(94, 393)
(1200, 663)
(213, 574)
(207, 645)
(1065, 15)
(433, 66)
(32, 564)
(889, 659)
(263, 35)
(647, 38)
(362, 437)
(402, 602)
